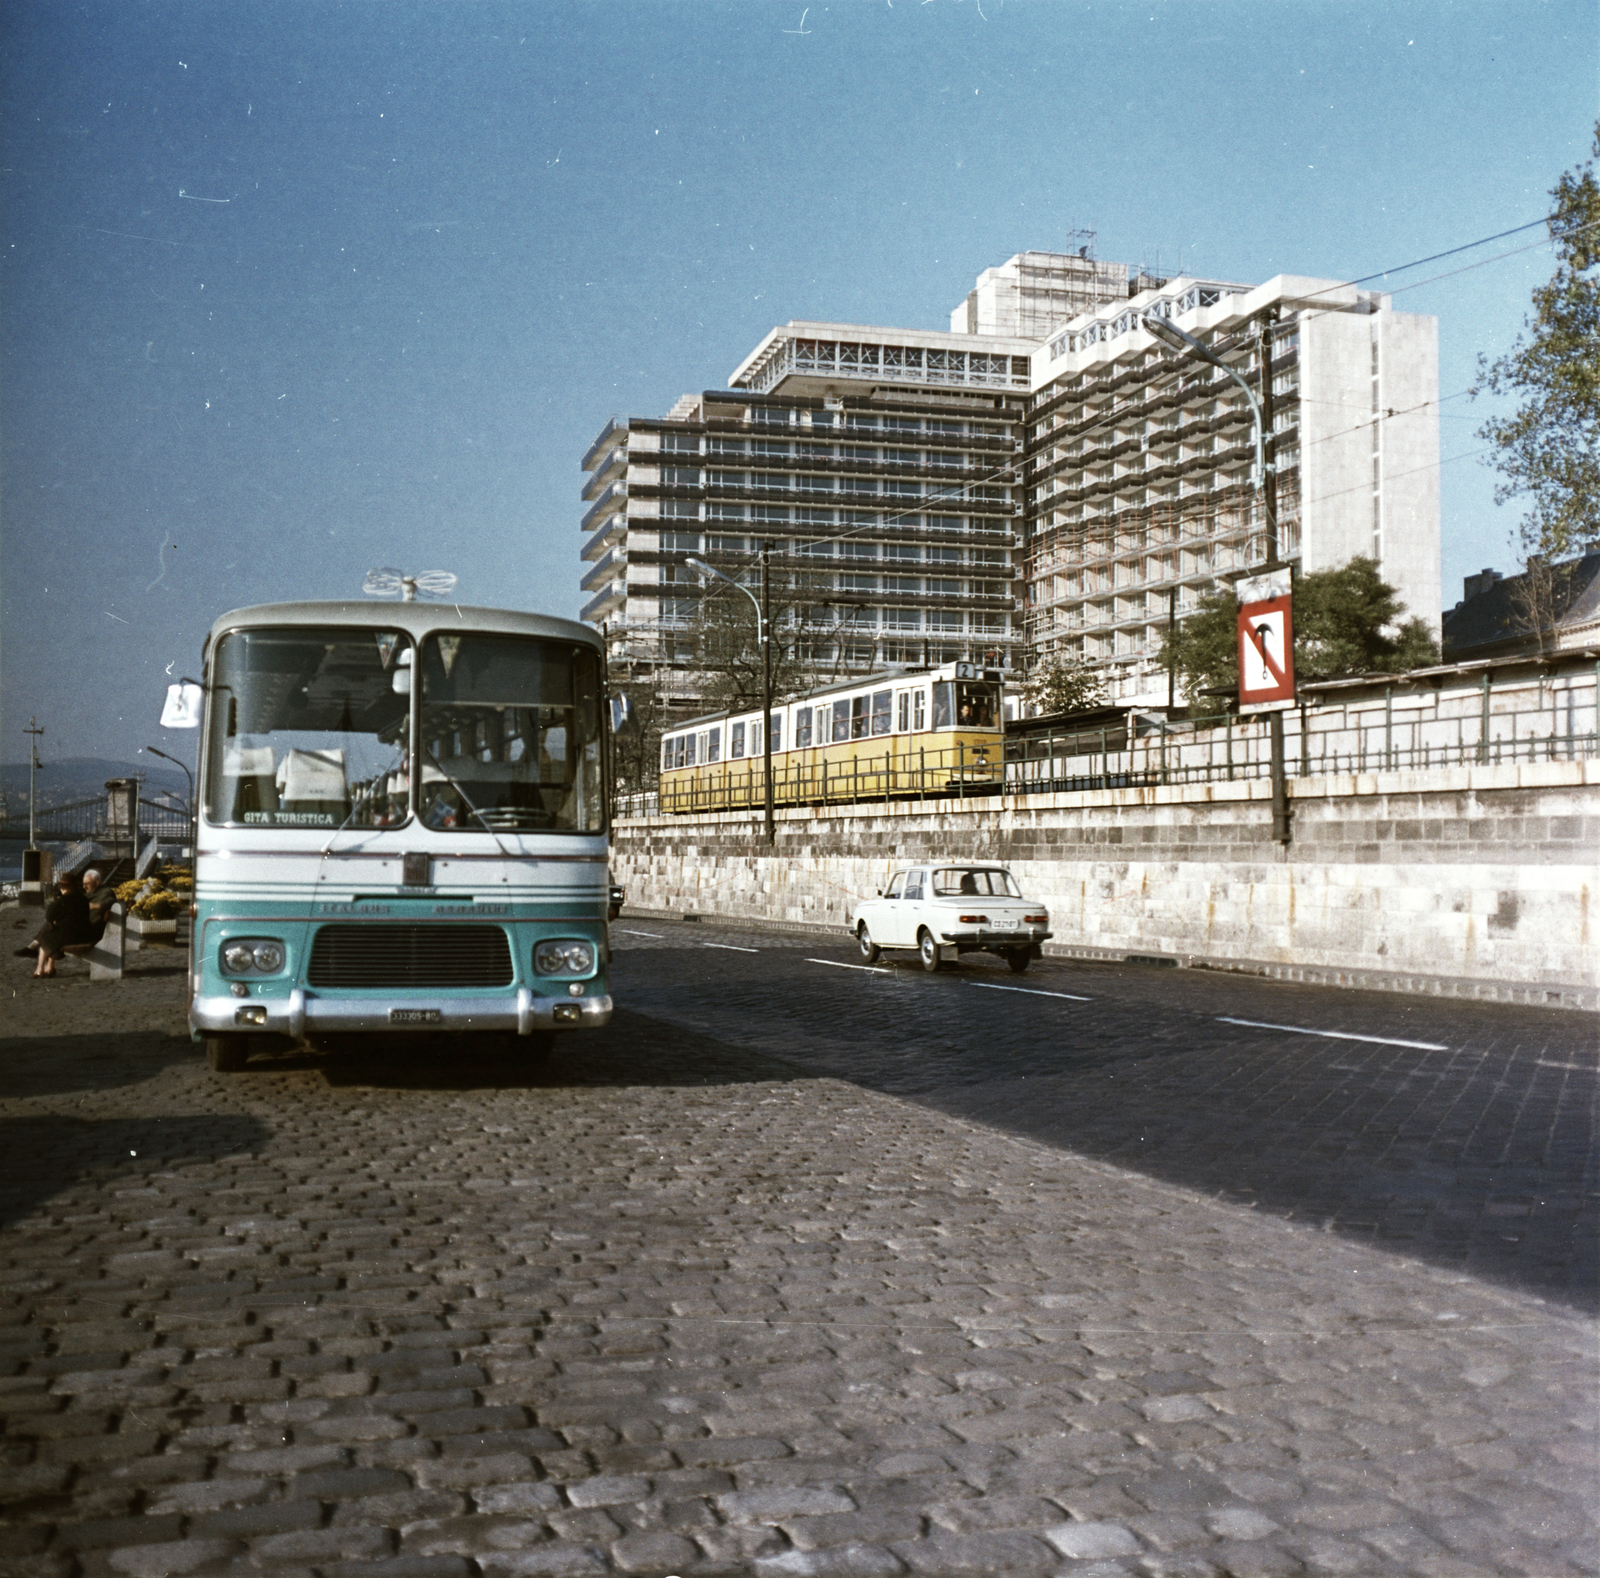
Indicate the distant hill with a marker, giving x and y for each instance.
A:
(70, 778)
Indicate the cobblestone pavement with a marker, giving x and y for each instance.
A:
(797, 1270)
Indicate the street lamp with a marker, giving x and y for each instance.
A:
(763, 641)
(1265, 483)
(1176, 339)
(194, 810)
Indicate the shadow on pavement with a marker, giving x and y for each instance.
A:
(60, 1065)
(42, 1155)
(1478, 1158)
(633, 1049)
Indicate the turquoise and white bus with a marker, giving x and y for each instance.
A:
(401, 826)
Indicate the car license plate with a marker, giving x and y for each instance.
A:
(1004, 925)
(415, 1016)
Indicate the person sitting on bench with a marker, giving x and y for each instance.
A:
(100, 901)
(66, 921)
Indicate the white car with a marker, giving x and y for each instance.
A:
(952, 908)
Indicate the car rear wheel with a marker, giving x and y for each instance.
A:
(227, 1054)
(1018, 958)
(928, 951)
(869, 949)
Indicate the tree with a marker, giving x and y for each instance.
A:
(1548, 449)
(1064, 684)
(1341, 617)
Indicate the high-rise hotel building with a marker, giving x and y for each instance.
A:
(1043, 478)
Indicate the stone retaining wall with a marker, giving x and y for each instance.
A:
(1476, 881)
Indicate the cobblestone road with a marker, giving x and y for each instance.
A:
(801, 1270)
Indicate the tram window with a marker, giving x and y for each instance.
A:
(902, 723)
(896, 883)
(913, 884)
(688, 753)
(860, 718)
(736, 740)
(919, 712)
(975, 708)
(777, 731)
(802, 728)
(880, 712)
(942, 705)
(841, 720)
(713, 745)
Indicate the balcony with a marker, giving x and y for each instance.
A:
(613, 498)
(615, 431)
(610, 596)
(612, 465)
(613, 529)
(613, 563)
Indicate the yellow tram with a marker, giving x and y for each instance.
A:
(929, 732)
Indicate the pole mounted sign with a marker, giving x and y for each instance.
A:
(1266, 643)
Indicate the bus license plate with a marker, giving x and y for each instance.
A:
(415, 1016)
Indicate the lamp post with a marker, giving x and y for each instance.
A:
(1265, 481)
(193, 808)
(1261, 477)
(34, 764)
(764, 641)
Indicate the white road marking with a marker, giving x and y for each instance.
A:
(1582, 1068)
(731, 947)
(834, 964)
(1335, 1035)
(1030, 991)
(628, 932)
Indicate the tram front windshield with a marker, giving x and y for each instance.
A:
(966, 704)
(309, 728)
(312, 728)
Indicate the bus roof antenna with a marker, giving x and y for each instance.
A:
(384, 582)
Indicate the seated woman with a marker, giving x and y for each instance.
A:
(66, 920)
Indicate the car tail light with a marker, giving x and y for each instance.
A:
(974, 920)
(1036, 920)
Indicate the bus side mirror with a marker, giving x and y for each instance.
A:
(624, 720)
(401, 680)
(182, 709)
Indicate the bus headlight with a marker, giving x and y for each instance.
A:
(252, 956)
(564, 956)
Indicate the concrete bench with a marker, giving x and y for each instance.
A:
(107, 958)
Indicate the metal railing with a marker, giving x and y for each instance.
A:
(1400, 731)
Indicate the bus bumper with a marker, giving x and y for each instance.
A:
(303, 1014)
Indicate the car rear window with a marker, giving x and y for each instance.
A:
(951, 882)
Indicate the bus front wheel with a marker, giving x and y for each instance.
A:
(227, 1054)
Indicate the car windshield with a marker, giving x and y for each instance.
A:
(951, 882)
(310, 728)
(510, 734)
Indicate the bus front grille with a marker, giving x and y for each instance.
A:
(355, 954)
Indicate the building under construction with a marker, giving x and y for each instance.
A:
(1044, 478)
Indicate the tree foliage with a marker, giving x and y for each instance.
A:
(1064, 684)
(1548, 449)
(1347, 620)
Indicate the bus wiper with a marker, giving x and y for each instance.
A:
(466, 800)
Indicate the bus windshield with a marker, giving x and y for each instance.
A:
(309, 728)
(509, 734)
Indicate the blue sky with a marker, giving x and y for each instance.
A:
(295, 288)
